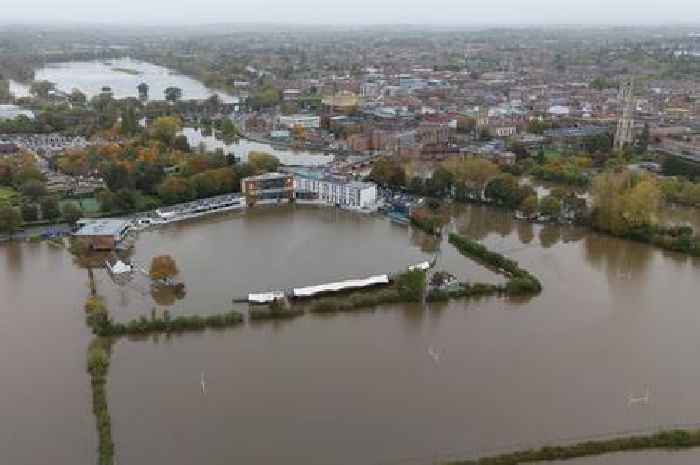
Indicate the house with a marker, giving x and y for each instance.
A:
(13, 111)
(291, 94)
(102, 234)
(305, 121)
(282, 135)
(8, 148)
(268, 188)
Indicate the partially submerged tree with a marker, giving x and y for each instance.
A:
(163, 267)
(625, 201)
(10, 219)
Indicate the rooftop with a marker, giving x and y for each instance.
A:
(267, 177)
(104, 227)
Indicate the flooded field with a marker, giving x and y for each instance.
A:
(615, 316)
(122, 76)
(243, 147)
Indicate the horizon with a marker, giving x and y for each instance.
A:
(440, 13)
(86, 24)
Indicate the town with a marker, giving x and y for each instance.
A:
(421, 244)
(531, 108)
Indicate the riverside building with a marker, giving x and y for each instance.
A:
(269, 188)
(335, 190)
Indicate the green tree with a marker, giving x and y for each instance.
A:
(641, 143)
(10, 219)
(550, 206)
(129, 123)
(471, 176)
(182, 144)
(411, 285)
(541, 158)
(165, 129)
(388, 172)
(116, 176)
(229, 131)
(174, 189)
(265, 97)
(262, 162)
(505, 190)
(530, 206)
(625, 202)
(107, 201)
(440, 182)
(163, 267)
(49, 208)
(71, 212)
(29, 211)
(34, 189)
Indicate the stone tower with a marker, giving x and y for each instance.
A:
(482, 120)
(623, 135)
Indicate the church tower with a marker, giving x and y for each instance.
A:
(623, 135)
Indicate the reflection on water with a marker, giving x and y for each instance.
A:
(549, 235)
(167, 295)
(526, 232)
(622, 260)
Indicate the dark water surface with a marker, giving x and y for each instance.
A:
(614, 317)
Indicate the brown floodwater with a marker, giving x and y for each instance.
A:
(614, 317)
(45, 400)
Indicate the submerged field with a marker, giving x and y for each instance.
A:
(403, 383)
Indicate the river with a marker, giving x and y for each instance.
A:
(122, 76)
(615, 316)
(243, 147)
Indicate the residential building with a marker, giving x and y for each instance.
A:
(8, 148)
(291, 94)
(13, 111)
(305, 121)
(335, 190)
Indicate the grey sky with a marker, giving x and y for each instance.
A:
(455, 12)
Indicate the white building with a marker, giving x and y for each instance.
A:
(338, 191)
(559, 110)
(13, 111)
(305, 121)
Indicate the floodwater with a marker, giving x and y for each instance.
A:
(90, 76)
(45, 398)
(614, 317)
(243, 147)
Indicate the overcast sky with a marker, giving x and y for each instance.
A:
(456, 12)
